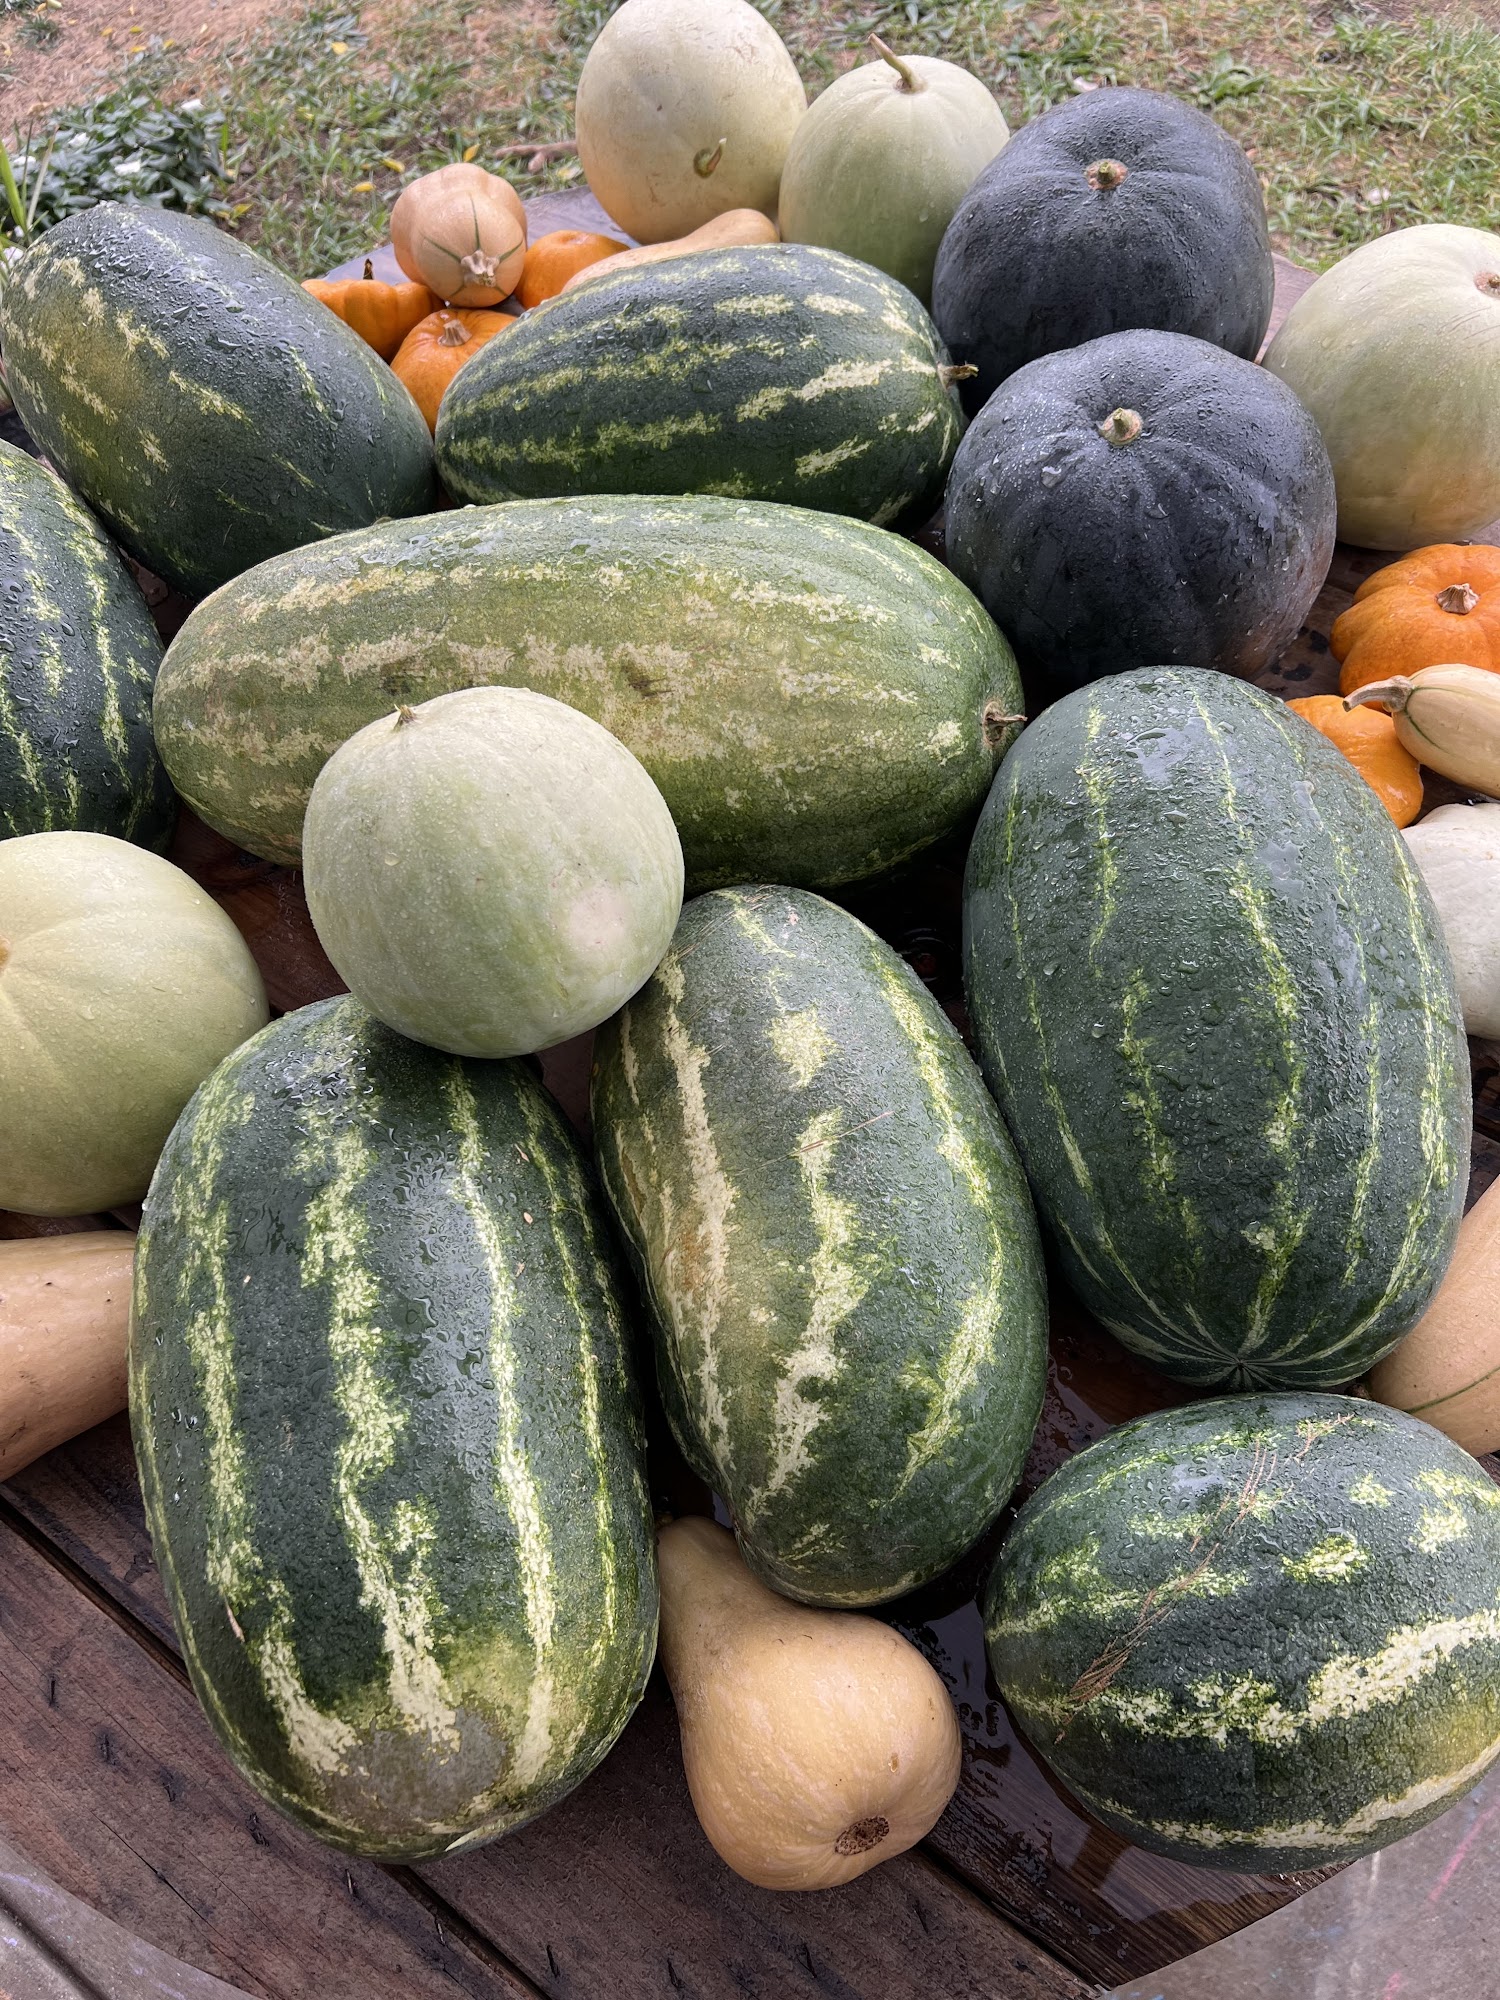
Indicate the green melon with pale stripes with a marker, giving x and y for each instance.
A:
(815, 699)
(78, 656)
(836, 1241)
(1260, 1632)
(1212, 996)
(771, 372)
(388, 1435)
(201, 402)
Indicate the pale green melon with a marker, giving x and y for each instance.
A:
(491, 872)
(882, 160)
(122, 985)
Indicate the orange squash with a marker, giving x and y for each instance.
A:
(461, 232)
(1367, 737)
(432, 353)
(1439, 606)
(558, 256)
(381, 314)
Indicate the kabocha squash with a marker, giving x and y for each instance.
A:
(1448, 718)
(1447, 1370)
(122, 985)
(817, 1744)
(685, 111)
(461, 232)
(1457, 849)
(1438, 607)
(1369, 740)
(438, 346)
(381, 314)
(737, 229)
(554, 258)
(1118, 209)
(1258, 1632)
(389, 1441)
(790, 374)
(884, 157)
(209, 410)
(64, 1318)
(835, 1240)
(1143, 499)
(816, 699)
(78, 657)
(1212, 996)
(1396, 352)
(492, 872)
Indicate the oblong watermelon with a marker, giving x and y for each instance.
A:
(78, 658)
(1260, 1632)
(836, 1240)
(816, 699)
(388, 1435)
(774, 371)
(1213, 998)
(204, 405)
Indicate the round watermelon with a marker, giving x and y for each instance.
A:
(1259, 1632)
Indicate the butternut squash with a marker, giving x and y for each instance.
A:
(1447, 1370)
(64, 1319)
(816, 1743)
(739, 227)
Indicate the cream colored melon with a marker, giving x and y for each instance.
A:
(1396, 352)
(685, 110)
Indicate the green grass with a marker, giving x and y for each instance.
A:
(1356, 123)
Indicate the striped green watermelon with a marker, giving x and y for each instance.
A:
(1213, 998)
(1261, 1632)
(202, 403)
(835, 1237)
(815, 699)
(78, 656)
(388, 1435)
(770, 372)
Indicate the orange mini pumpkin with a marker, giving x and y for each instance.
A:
(461, 232)
(558, 256)
(1437, 607)
(381, 314)
(1367, 737)
(432, 353)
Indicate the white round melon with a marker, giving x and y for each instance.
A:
(685, 110)
(122, 985)
(492, 872)
(882, 160)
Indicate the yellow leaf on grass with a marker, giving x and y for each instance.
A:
(364, 187)
(339, 48)
(396, 166)
(469, 152)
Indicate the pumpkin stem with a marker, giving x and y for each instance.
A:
(1395, 693)
(705, 162)
(478, 268)
(454, 334)
(996, 722)
(369, 269)
(1121, 427)
(1105, 174)
(404, 713)
(909, 78)
(1459, 598)
(950, 372)
(862, 1835)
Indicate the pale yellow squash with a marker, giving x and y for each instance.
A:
(1447, 1370)
(816, 1743)
(64, 1328)
(1448, 718)
(737, 230)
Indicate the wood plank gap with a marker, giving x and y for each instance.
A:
(961, 1884)
(449, 1922)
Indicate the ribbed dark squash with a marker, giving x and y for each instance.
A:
(1054, 244)
(1142, 500)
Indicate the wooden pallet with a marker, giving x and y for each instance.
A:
(112, 1781)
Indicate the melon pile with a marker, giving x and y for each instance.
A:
(608, 749)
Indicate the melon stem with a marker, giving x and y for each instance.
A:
(1121, 427)
(705, 161)
(909, 78)
(1105, 174)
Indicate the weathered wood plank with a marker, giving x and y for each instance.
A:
(113, 1782)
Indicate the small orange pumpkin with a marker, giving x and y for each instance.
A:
(381, 314)
(461, 232)
(1367, 737)
(1439, 606)
(432, 353)
(554, 258)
